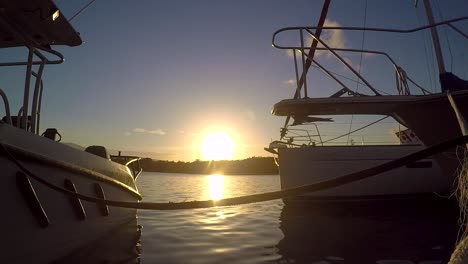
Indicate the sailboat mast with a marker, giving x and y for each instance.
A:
(310, 57)
(313, 46)
(435, 38)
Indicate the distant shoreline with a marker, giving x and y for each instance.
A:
(249, 166)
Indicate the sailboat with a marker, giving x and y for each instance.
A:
(42, 222)
(305, 158)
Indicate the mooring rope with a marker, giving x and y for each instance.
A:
(254, 198)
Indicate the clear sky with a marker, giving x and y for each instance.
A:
(155, 77)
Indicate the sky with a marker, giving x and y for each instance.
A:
(153, 78)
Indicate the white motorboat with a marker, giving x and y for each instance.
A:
(306, 158)
(41, 224)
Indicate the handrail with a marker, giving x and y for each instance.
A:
(35, 51)
(7, 106)
(309, 136)
(27, 82)
(20, 113)
(30, 44)
(332, 50)
(341, 143)
(345, 50)
(131, 162)
(370, 28)
(37, 87)
(41, 56)
(37, 99)
(321, 141)
(366, 51)
(39, 108)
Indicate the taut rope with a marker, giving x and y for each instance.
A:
(254, 198)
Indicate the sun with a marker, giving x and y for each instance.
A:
(217, 146)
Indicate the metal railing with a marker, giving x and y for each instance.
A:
(401, 76)
(298, 138)
(132, 163)
(7, 106)
(311, 136)
(29, 119)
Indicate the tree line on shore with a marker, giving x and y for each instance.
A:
(249, 166)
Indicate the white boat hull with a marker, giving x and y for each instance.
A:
(303, 166)
(26, 240)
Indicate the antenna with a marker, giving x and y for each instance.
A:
(81, 10)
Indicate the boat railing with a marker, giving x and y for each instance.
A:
(309, 134)
(401, 76)
(7, 107)
(132, 163)
(29, 119)
(303, 136)
(39, 54)
(311, 137)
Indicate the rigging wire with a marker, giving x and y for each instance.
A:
(81, 10)
(381, 91)
(360, 65)
(429, 66)
(347, 78)
(362, 43)
(441, 17)
(350, 132)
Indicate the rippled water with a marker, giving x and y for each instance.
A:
(237, 234)
(420, 231)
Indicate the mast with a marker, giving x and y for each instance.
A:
(435, 38)
(309, 58)
(313, 46)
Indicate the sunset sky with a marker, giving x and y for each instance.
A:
(155, 77)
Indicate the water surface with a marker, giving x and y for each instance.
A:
(421, 231)
(236, 234)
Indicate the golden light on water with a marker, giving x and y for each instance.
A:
(220, 215)
(217, 146)
(216, 186)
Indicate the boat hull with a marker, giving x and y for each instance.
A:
(308, 165)
(63, 227)
(431, 117)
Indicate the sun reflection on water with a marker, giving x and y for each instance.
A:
(216, 186)
(220, 215)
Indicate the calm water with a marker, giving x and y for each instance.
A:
(239, 234)
(272, 232)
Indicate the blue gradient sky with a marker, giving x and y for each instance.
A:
(154, 77)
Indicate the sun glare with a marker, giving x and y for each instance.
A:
(216, 186)
(217, 146)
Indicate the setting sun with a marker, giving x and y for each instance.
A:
(217, 146)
